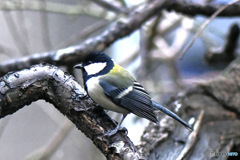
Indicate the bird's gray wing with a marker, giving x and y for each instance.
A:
(134, 98)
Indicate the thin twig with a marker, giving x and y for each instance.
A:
(165, 29)
(45, 152)
(84, 33)
(75, 54)
(204, 25)
(128, 60)
(192, 137)
(55, 86)
(17, 39)
(55, 7)
(153, 32)
(45, 27)
(23, 28)
(110, 6)
(60, 8)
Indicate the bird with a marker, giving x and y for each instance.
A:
(114, 88)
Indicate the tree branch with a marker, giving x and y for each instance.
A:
(110, 6)
(223, 55)
(118, 30)
(76, 54)
(219, 130)
(193, 9)
(181, 6)
(53, 85)
(52, 7)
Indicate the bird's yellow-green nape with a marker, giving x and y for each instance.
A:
(119, 77)
(120, 71)
(113, 88)
(116, 69)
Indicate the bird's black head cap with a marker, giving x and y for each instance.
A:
(95, 57)
(90, 61)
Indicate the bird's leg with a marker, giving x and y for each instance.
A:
(114, 131)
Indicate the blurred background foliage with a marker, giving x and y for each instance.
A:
(151, 54)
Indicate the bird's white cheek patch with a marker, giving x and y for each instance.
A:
(95, 67)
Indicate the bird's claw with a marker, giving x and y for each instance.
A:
(114, 131)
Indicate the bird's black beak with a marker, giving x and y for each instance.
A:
(78, 66)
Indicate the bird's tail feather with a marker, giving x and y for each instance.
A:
(171, 114)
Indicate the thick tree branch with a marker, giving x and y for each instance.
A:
(118, 30)
(181, 6)
(220, 125)
(76, 54)
(223, 55)
(47, 82)
(53, 7)
(192, 9)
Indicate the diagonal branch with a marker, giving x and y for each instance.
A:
(52, 7)
(53, 85)
(217, 130)
(110, 6)
(181, 6)
(75, 54)
(116, 31)
(193, 9)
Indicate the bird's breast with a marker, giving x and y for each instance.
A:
(96, 92)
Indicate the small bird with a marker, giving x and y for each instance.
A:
(113, 88)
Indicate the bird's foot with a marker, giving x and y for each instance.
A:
(114, 131)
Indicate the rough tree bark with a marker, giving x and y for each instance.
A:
(217, 131)
(18, 89)
(121, 28)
